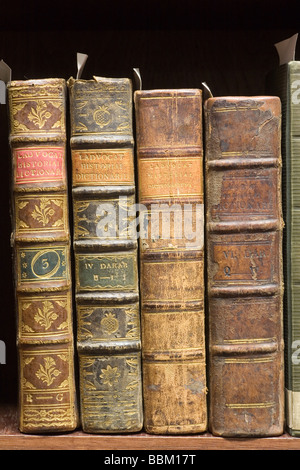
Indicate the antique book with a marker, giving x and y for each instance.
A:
(105, 249)
(41, 253)
(244, 265)
(285, 83)
(171, 233)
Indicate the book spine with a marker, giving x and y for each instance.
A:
(291, 196)
(170, 175)
(41, 252)
(105, 247)
(285, 84)
(244, 265)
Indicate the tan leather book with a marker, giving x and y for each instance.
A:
(244, 265)
(105, 249)
(41, 248)
(170, 189)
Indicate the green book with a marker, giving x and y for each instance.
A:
(285, 83)
(105, 252)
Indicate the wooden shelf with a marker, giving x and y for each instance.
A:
(12, 439)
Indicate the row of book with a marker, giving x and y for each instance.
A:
(174, 222)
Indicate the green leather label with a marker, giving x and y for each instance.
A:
(107, 271)
(42, 264)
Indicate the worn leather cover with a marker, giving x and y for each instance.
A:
(170, 174)
(41, 248)
(105, 246)
(244, 265)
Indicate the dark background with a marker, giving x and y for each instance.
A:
(229, 44)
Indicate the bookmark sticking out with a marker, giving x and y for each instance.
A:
(81, 60)
(5, 77)
(137, 78)
(206, 91)
(286, 49)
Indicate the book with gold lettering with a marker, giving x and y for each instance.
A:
(41, 249)
(244, 265)
(105, 249)
(170, 190)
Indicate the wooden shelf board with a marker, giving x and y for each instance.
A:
(12, 439)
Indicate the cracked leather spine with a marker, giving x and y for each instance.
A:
(170, 191)
(244, 265)
(105, 250)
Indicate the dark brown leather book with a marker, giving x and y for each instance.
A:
(244, 265)
(170, 188)
(105, 247)
(41, 248)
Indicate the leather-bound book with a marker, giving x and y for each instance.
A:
(244, 265)
(170, 188)
(284, 81)
(105, 248)
(41, 249)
